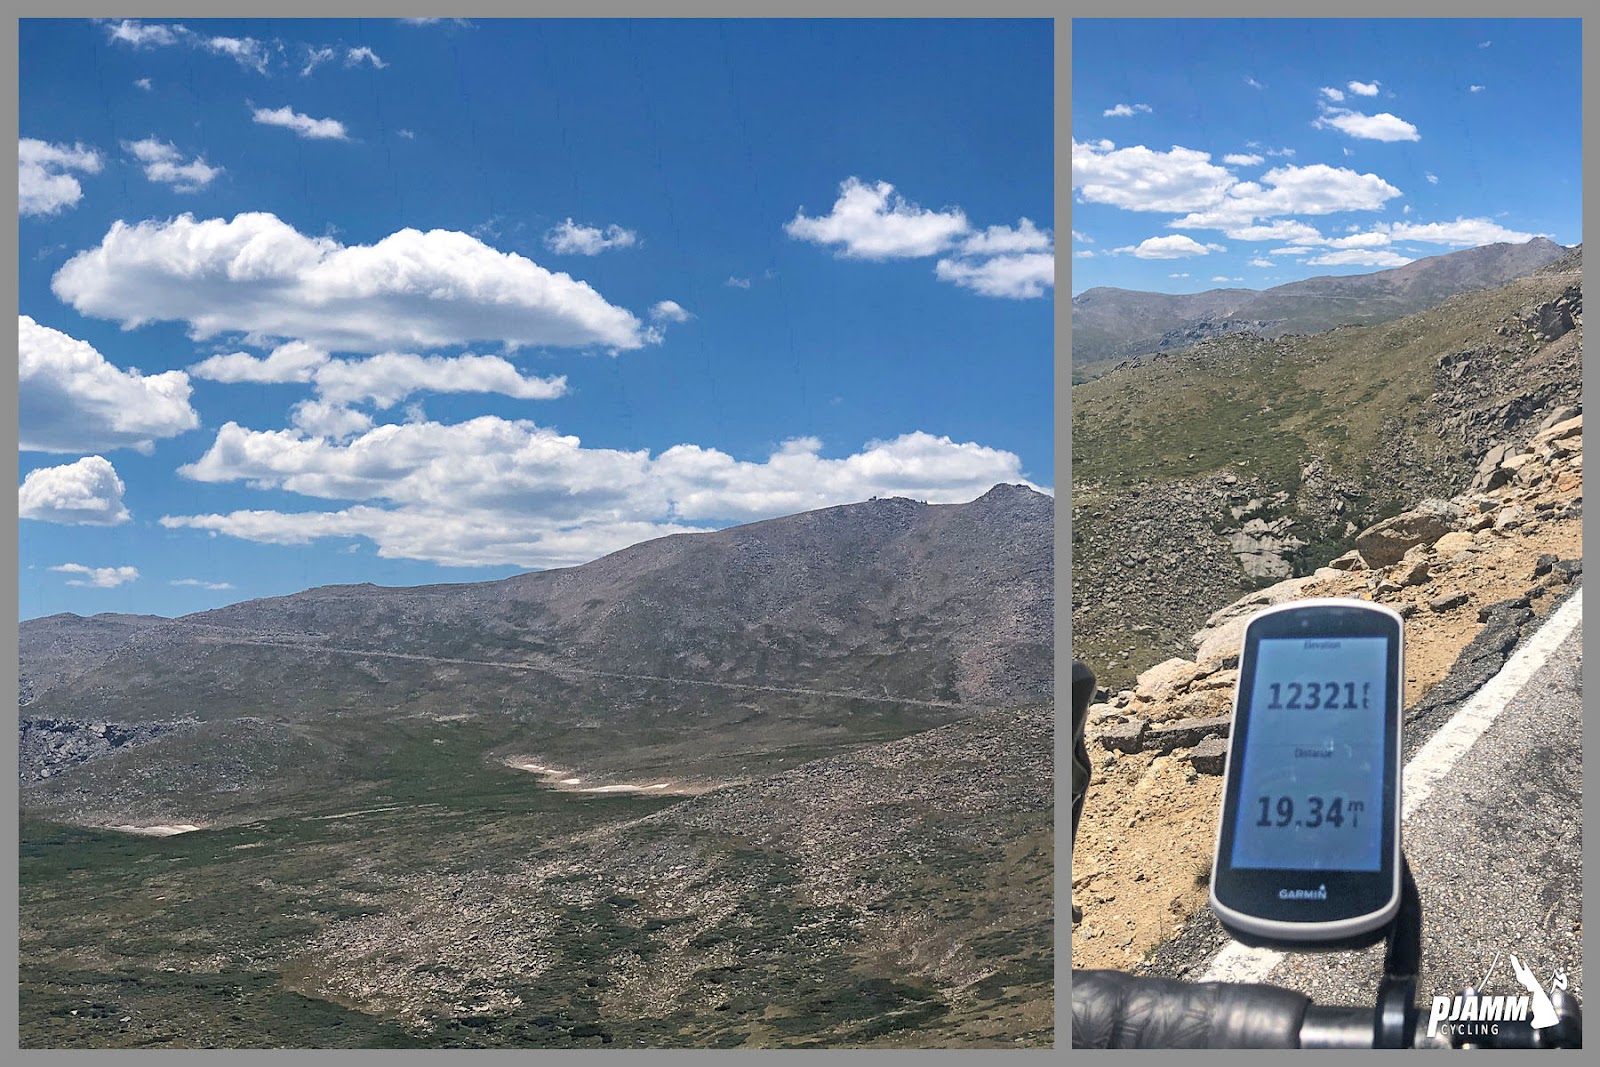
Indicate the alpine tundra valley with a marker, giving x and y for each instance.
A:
(784, 784)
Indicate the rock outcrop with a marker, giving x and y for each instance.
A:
(1423, 559)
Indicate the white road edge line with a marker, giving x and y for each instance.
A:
(1236, 963)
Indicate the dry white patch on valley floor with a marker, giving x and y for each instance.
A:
(159, 830)
(567, 782)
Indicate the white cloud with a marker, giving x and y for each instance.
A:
(1138, 179)
(1281, 230)
(669, 311)
(1332, 94)
(737, 283)
(1174, 246)
(1124, 110)
(1373, 239)
(1462, 233)
(357, 56)
(1259, 262)
(574, 238)
(85, 493)
(1475, 88)
(1185, 274)
(1085, 238)
(389, 378)
(1083, 254)
(1364, 88)
(72, 400)
(143, 83)
(201, 584)
(294, 361)
(1017, 262)
(98, 577)
(1292, 250)
(43, 185)
(1220, 278)
(1253, 83)
(1380, 127)
(430, 22)
(874, 222)
(1362, 257)
(407, 134)
(140, 35)
(246, 51)
(385, 379)
(1020, 276)
(315, 57)
(491, 491)
(1485, 44)
(257, 275)
(1241, 159)
(1024, 237)
(163, 163)
(302, 125)
(1433, 179)
(1316, 189)
(321, 419)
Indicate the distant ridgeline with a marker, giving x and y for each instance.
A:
(1114, 324)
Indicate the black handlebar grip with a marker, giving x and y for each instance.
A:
(1115, 1010)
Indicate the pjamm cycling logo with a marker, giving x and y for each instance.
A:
(1479, 1016)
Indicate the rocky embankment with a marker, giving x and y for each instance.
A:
(1461, 571)
(1152, 560)
(46, 747)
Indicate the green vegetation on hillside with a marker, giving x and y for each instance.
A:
(1334, 430)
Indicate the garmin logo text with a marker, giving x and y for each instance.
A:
(1319, 893)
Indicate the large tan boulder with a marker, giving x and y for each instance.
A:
(1166, 679)
(1386, 543)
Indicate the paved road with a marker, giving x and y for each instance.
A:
(1496, 846)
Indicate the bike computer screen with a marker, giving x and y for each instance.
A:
(1308, 846)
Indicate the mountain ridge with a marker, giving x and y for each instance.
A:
(782, 639)
(1111, 323)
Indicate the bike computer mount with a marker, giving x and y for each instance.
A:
(1308, 842)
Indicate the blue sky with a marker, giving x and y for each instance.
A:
(1254, 152)
(324, 301)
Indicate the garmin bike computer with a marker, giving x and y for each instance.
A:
(1308, 844)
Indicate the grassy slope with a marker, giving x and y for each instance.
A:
(1263, 408)
(252, 935)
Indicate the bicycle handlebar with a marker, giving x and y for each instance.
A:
(1115, 1010)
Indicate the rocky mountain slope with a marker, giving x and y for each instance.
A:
(788, 784)
(58, 648)
(1467, 573)
(724, 653)
(1201, 473)
(1114, 324)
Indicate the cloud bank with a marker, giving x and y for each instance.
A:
(258, 276)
